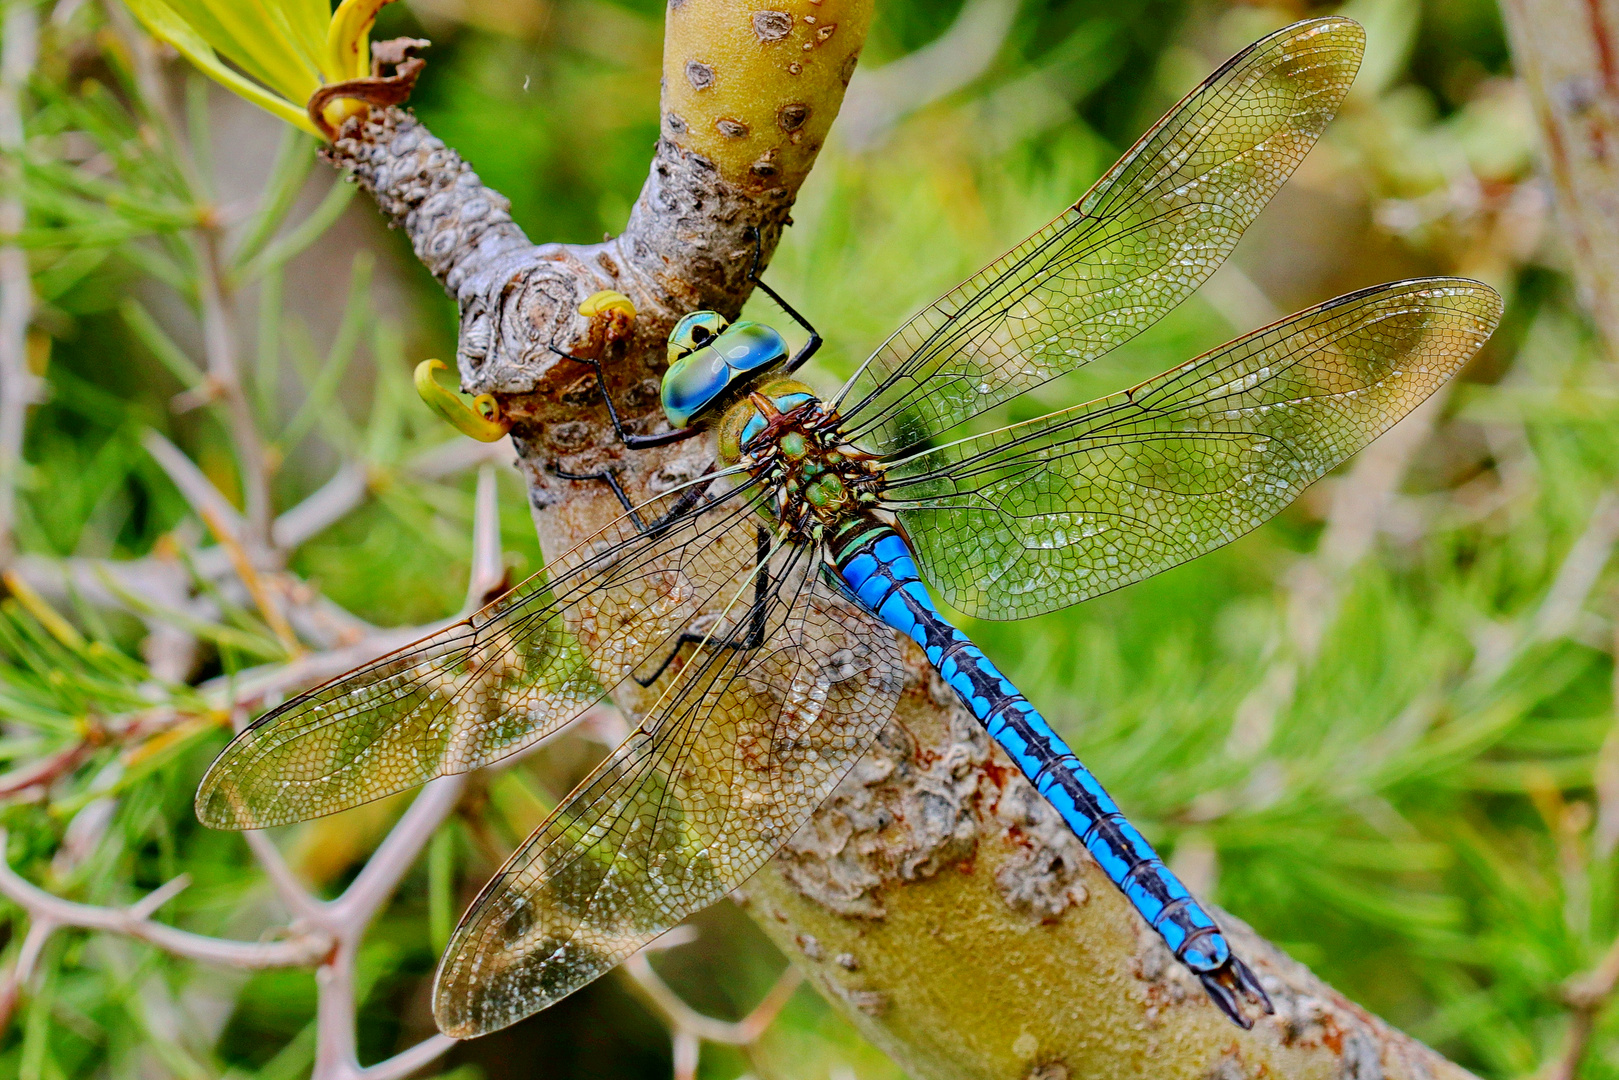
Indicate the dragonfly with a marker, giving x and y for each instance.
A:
(751, 618)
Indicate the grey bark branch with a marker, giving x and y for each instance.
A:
(684, 248)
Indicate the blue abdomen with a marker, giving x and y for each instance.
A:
(874, 563)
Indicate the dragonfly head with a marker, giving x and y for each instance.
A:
(707, 355)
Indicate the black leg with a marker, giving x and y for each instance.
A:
(756, 617)
(629, 439)
(688, 498)
(802, 356)
(610, 478)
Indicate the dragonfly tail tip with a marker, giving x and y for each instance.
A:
(1227, 982)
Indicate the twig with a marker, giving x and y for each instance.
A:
(196, 488)
(19, 386)
(253, 582)
(1586, 995)
(488, 577)
(1578, 574)
(1563, 52)
(406, 1062)
(880, 98)
(394, 857)
(459, 455)
(42, 772)
(21, 973)
(688, 1028)
(300, 902)
(224, 375)
(346, 490)
(298, 950)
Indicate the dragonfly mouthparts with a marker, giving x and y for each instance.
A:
(1231, 979)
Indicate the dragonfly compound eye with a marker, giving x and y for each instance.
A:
(694, 331)
(691, 383)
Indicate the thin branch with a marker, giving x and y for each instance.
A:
(459, 455)
(300, 901)
(397, 853)
(193, 485)
(880, 98)
(19, 386)
(1586, 995)
(406, 1062)
(298, 950)
(252, 581)
(683, 1018)
(346, 490)
(488, 577)
(21, 973)
(1578, 575)
(43, 772)
(224, 374)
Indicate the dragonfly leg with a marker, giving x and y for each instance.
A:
(628, 438)
(610, 478)
(801, 357)
(756, 617)
(689, 498)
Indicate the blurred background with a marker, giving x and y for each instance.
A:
(1381, 729)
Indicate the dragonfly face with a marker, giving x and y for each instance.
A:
(707, 355)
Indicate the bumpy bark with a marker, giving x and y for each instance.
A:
(935, 896)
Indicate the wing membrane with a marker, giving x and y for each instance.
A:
(1144, 237)
(723, 769)
(1044, 514)
(494, 683)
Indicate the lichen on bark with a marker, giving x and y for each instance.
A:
(934, 897)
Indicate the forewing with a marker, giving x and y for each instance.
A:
(1044, 514)
(729, 763)
(494, 683)
(1144, 237)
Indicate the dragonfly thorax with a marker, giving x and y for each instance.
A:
(791, 439)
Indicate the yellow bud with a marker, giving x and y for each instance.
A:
(606, 301)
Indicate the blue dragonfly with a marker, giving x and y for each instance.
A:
(749, 620)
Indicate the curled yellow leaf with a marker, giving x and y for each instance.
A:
(606, 302)
(485, 424)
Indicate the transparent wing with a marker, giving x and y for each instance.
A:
(496, 682)
(1044, 514)
(723, 769)
(1144, 237)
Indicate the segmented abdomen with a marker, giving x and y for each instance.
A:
(875, 564)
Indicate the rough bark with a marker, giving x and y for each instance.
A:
(1568, 54)
(935, 897)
